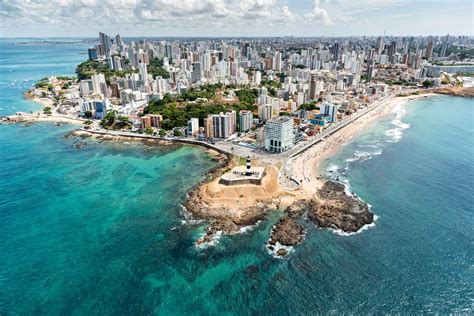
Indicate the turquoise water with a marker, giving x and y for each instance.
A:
(100, 230)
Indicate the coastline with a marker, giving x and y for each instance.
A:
(313, 178)
(230, 209)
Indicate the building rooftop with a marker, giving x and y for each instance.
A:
(280, 119)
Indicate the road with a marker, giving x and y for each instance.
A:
(285, 175)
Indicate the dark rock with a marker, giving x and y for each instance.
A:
(252, 271)
(335, 209)
(282, 252)
(287, 232)
(298, 208)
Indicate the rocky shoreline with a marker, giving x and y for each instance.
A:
(220, 220)
(331, 208)
(467, 92)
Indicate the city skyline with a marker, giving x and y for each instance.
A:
(220, 18)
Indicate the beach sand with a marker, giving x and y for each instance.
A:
(305, 167)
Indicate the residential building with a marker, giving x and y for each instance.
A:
(193, 126)
(329, 109)
(265, 112)
(245, 120)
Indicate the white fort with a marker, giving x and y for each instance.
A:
(243, 175)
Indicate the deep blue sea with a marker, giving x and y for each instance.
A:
(100, 230)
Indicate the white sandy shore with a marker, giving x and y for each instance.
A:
(305, 167)
(45, 102)
(54, 117)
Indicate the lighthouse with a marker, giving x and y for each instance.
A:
(248, 172)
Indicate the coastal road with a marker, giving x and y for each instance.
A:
(285, 175)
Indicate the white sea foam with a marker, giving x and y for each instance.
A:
(396, 134)
(248, 228)
(332, 167)
(278, 246)
(364, 155)
(214, 240)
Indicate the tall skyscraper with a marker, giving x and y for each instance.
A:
(444, 46)
(105, 43)
(335, 52)
(277, 62)
(245, 120)
(392, 50)
(370, 70)
(429, 50)
(197, 71)
(312, 86)
(142, 69)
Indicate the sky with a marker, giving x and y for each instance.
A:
(232, 18)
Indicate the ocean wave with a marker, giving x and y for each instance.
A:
(248, 228)
(396, 134)
(278, 246)
(332, 168)
(214, 240)
(363, 155)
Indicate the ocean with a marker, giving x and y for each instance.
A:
(100, 230)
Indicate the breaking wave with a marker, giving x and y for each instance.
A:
(396, 134)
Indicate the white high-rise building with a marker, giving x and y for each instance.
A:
(232, 121)
(193, 126)
(245, 120)
(279, 134)
(257, 77)
(277, 62)
(142, 69)
(206, 62)
(329, 109)
(265, 112)
(96, 81)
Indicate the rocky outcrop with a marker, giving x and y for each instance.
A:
(299, 208)
(333, 208)
(286, 232)
(330, 208)
(467, 92)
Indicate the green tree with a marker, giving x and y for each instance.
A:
(149, 131)
(427, 83)
(88, 114)
(47, 110)
(123, 119)
(155, 68)
(162, 132)
(177, 133)
(88, 123)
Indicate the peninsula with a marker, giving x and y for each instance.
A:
(270, 110)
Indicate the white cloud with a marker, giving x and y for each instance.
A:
(208, 17)
(319, 15)
(139, 12)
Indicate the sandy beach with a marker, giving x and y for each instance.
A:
(305, 167)
(45, 102)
